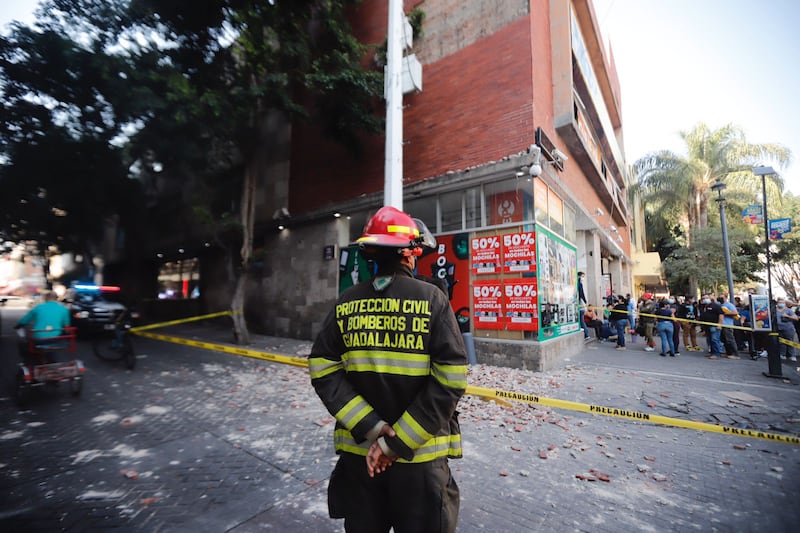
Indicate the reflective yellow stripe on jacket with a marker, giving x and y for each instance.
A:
(319, 367)
(404, 364)
(445, 446)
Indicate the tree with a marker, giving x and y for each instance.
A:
(197, 82)
(705, 261)
(232, 64)
(785, 258)
(679, 187)
(61, 175)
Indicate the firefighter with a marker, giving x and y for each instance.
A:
(390, 365)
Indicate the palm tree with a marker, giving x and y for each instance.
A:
(678, 187)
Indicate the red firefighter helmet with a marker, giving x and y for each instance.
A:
(390, 227)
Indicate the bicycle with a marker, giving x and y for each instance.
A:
(118, 345)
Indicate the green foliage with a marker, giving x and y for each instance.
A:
(171, 94)
(415, 17)
(705, 261)
(60, 174)
(679, 202)
(785, 252)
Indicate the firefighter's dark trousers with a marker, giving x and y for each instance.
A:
(411, 498)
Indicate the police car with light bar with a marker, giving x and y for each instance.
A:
(94, 308)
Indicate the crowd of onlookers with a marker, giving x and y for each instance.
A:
(680, 321)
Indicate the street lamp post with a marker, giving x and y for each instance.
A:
(719, 187)
(773, 357)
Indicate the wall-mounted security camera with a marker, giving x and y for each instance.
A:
(558, 154)
(535, 170)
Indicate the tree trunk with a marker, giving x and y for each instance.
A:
(241, 335)
(240, 332)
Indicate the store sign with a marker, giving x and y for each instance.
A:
(520, 304)
(779, 227)
(486, 255)
(759, 310)
(487, 300)
(753, 214)
(519, 252)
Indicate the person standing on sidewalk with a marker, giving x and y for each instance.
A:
(665, 328)
(676, 326)
(582, 303)
(688, 312)
(390, 365)
(631, 317)
(786, 319)
(619, 317)
(711, 315)
(729, 320)
(647, 318)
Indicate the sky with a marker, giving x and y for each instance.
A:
(681, 62)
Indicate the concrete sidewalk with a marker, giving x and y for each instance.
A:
(529, 467)
(201, 440)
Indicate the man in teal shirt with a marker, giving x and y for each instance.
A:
(48, 319)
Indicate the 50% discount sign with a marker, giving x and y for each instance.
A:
(486, 255)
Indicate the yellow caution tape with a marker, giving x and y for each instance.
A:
(137, 329)
(498, 395)
(284, 359)
(625, 413)
(789, 343)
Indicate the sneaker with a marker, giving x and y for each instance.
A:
(620, 347)
(763, 353)
(674, 354)
(688, 348)
(648, 349)
(696, 348)
(662, 354)
(793, 358)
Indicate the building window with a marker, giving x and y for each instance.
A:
(451, 210)
(509, 201)
(423, 209)
(555, 210)
(473, 202)
(179, 280)
(357, 222)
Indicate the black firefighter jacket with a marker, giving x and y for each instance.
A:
(392, 352)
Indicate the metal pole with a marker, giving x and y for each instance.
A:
(393, 164)
(773, 357)
(724, 223)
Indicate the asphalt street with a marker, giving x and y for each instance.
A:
(199, 440)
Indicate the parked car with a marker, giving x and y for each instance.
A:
(94, 308)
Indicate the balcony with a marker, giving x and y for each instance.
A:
(579, 135)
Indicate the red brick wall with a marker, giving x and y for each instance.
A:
(476, 106)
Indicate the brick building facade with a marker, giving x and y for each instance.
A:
(498, 77)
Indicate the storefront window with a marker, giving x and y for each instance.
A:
(357, 222)
(540, 200)
(472, 207)
(179, 280)
(450, 205)
(555, 209)
(509, 201)
(423, 209)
